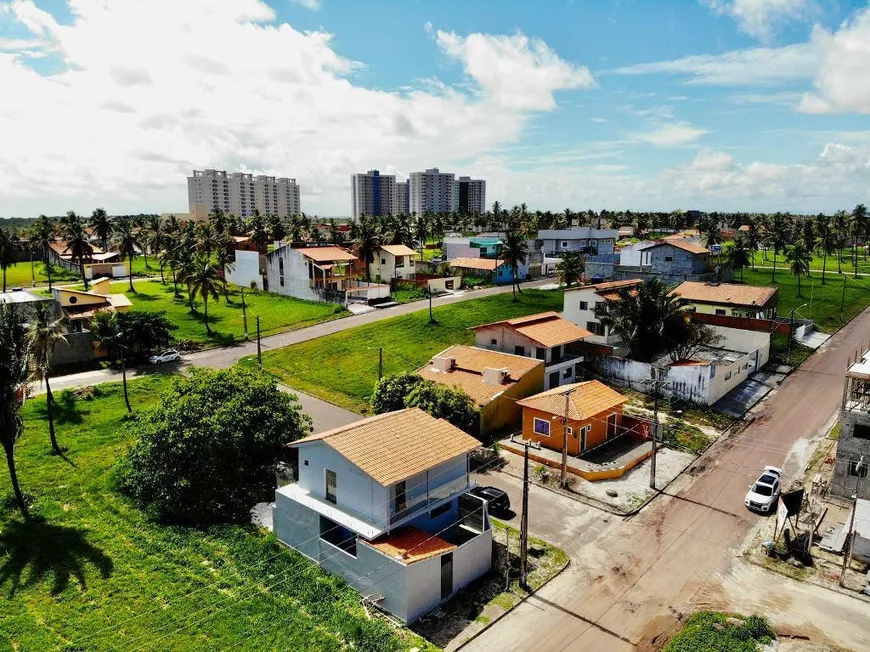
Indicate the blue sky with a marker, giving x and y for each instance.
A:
(714, 104)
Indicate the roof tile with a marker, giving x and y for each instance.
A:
(585, 400)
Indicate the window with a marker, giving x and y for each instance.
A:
(728, 376)
(861, 431)
(73, 300)
(338, 536)
(720, 311)
(331, 487)
(669, 259)
(594, 327)
(567, 373)
(570, 430)
(383, 261)
(304, 462)
(519, 350)
(439, 511)
(540, 354)
(858, 469)
(281, 271)
(564, 244)
(584, 305)
(401, 495)
(493, 342)
(542, 427)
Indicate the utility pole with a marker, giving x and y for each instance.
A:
(524, 517)
(847, 556)
(259, 348)
(564, 477)
(32, 271)
(431, 318)
(244, 315)
(654, 435)
(843, 298)
(380, 362)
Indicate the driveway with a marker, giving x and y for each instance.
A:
(323, 414)
(629, 577)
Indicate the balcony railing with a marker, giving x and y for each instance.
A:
(421, 503)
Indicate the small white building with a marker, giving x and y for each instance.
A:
(315, 273)
(579, 238)
(249, 269)
(579, 307)
(392, 261)
(384, 503)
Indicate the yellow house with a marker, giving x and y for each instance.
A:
(729, 299)
(79, 306)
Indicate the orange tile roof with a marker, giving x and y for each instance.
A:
(326, 254)
(398, 250)
(486, 264)
(608, 288)
(685, 245)
(725, 293)
(394, 446)
(546, 328)
(408, 544)
(585, 401)
(467, 372)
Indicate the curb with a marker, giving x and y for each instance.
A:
(521, 601)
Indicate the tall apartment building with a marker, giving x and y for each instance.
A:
(403, 198)
(471, 195)
(432, 191)
(373, 193)
(240, 193)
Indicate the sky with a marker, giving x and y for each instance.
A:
(729, 105)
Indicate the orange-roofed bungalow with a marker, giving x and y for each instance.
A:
(594, 416)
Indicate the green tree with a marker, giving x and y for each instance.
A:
(366, 238)
(514, 250)
(420, 229)
(826, 242)
(798, 259)
(259, 231)
(391, 391)
(208, 450)
(102, 226)
(739, 255)
(225, 257)
(143, 331)
(126, 241)
(43, 333)
(857, 229)
(776, 236)
(7, 255)
(155, 240)
(840, 227)
(336, 237)
(72, 230)
(108, 330)
(570, 269)
(753, 238)
(204, 281)
(449, 403)
(13, 375)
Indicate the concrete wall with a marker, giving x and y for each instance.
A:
(573, 312)
(683, 263)
(357, 492)
(246, 270)
(78, 347)
(296, 280)
(440, 284)
(459, 249)
(504, 410)
(115, 270)
(851, 448)
(383, 266)
(505, 339)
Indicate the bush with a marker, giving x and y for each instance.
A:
(208, 450)
(542, 473)
(448, 403)
(391, 391)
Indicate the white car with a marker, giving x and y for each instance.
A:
(764, 493)
(169, 355)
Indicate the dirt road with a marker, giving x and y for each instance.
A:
(628, 579)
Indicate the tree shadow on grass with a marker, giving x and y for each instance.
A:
(33, 551)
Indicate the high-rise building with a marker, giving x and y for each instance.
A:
(373, 193)
(471, 195)
(432, 191)
(403, 199)
(240, 193)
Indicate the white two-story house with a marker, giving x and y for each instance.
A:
(545, 336)
(392, 261)
(383, 502)
(580, 304)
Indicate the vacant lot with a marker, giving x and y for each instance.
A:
(822, 301)
(90, 572)
(276, 313)
(343, 367)
(20, 275)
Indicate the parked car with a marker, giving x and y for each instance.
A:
(496, 499)
(764, 493)
(169, 355)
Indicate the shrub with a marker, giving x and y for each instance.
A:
(542, 473)
(208, 450)
(391, 391)
(448, 403)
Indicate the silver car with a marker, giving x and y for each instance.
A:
(764, 493)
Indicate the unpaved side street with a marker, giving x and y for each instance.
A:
(629, 577)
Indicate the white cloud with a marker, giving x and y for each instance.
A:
(761, 18)
(754, 66)
(224, 85)
(843, 81)
(673, 135)
(314, 5)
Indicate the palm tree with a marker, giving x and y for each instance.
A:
(753, 239)
(335, 235)
(225, 256)
(13, 375)
(206, 238)
(73, 232)
(7, 256)
(42, 335)
(366, 239)
(126, 242)
(777, 237)
(420, 230)
(826, 242)
(218, 220)
(799, 259)
(840, 227)
(514, 250)
(107, 330)
(570, 269)
(102, 225)
(739, 255)
(259, 231)
(155, 240)
(204, 281)
(42, 235)
(277, 227)
(857, 229)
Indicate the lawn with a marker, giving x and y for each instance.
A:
(20, 275)
(90, 572)
(822, 301)
(277, 313)
(716, 632)
(343, 367)
(818, 261)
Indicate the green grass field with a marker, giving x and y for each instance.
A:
(277, 313)
(818, 261)
(343, 367)
(823, 301)
(20, 275)
(89, 571)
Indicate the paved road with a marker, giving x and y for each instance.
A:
(324, 415)
(628, 577)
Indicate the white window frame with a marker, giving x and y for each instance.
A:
(535, 430)
(570, 430)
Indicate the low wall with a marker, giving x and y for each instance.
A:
(743, 323)
(78, 347)
(444, 284)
